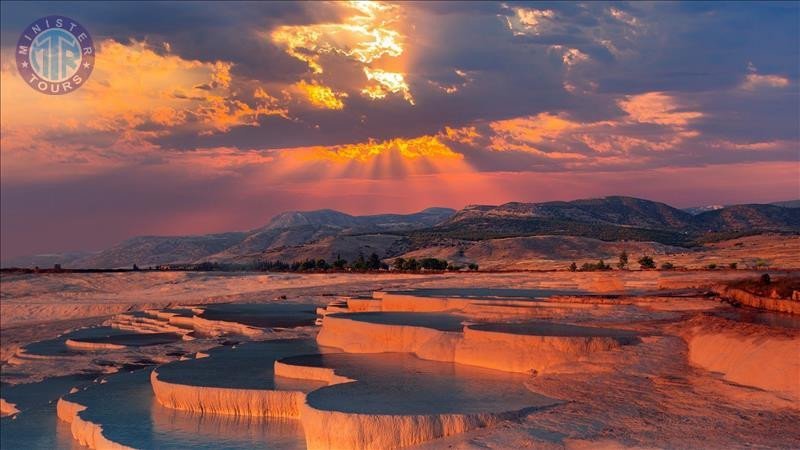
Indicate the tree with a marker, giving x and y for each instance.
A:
(411, 264)
(667, 266)
(573, 267)
(733, 265)
(399, 263)
(601, 265)
(647, 262)
(473, 266)
(360, 263)
(374, 262)
(765, 279)
(340, 263)
(322, 264)
(623, 260)
(433, 264)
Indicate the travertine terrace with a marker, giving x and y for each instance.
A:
(551, 363)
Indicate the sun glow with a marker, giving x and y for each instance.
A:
(368, 37)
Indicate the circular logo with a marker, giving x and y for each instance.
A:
(55, 55)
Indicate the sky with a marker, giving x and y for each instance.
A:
(209, 117)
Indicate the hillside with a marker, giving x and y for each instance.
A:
(156, 250)
(749, 218)
(283, 237)
(509, 235)
(612, 219)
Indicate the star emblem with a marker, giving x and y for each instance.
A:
(86, 65)
(24, 64)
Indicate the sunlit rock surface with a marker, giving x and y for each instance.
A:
(145, 424)
(747, 354)
(539, 360)
(236, 381)
(397, 399)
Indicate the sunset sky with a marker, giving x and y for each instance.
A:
(204, 117)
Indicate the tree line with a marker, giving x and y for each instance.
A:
(371, 263)
(646, 262)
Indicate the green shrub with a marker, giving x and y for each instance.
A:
(647, 262)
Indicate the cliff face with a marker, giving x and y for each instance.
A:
(533, 350)
(746, 354)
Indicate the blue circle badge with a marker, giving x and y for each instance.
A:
(55, 55)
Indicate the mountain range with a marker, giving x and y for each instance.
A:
(518, 230)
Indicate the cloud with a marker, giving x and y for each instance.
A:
(755, 81)
(320, 96)
(530, 20)
(658, 108)
(366, 35)
(135, 95)
(386, 83)
(653, 123)
(277, 101)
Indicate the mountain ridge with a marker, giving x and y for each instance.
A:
(327, 233)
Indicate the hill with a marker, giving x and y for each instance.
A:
(504, 235)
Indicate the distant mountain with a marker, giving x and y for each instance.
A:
(156, 250)
(788, 204)
(279, 237)
(620, 211)
(694, 210)
(328, 218)
(749, 218)
(512, 231)
(298, 228)
(610, 219)
(47, 260)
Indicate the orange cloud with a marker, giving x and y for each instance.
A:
(658, 108)
(411, 149)
(134, 95)
(523, 133)
(386, 83)
(368, 35)
(320, 96)
(131, 85)
(529, 20)
(363, 36)
(558, 137)
(464, 135)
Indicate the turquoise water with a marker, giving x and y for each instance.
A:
(57, 346)
(486, 293)
(436, 321)
(36, 426)
(401, 383)
(263, 315)
(247, 366)
(130, 415)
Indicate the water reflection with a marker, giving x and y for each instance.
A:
(192, 430)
